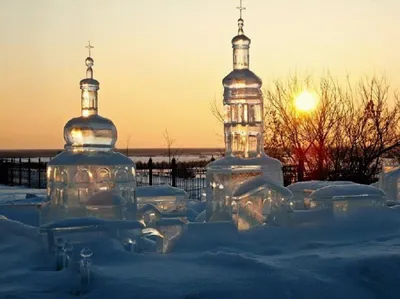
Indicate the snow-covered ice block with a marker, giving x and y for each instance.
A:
(169, 201)
(301, 191)
(103, 204)
(88, 225)
(260, 200)
(25, 210)
(343, 199)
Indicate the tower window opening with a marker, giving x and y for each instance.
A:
(257, 113)
(227, 114)
(234, 114)
(253, 143)
(251, 114)
(245, 112)
(240, 113)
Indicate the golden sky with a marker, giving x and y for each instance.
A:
(160, 63)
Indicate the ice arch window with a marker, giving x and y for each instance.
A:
(82, 176)
(121, 176)
(234, 207)
(64, 177)
(57, 175)
(103, 175)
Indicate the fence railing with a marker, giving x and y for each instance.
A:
(188, 176)
(32, 174)
(191, 178)
(23, 172)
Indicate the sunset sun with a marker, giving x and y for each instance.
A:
(306, 101)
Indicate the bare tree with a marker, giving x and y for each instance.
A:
(170, 141)
(127, 145)
(370, 131)
(216, 110)
(285, 127)
(345, 137)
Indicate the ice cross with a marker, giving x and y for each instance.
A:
(89, 46)
(241, 8)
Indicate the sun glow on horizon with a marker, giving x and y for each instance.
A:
(306, 101)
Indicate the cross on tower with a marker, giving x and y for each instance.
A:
(241, 8)
(89, 47)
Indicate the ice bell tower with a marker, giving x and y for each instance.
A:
(243, 102)
(246, 186)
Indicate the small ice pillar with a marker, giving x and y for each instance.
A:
(59, 253)
(85, 267)
(67, 254)
(128, 244)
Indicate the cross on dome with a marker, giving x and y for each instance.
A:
(89, 47)
(240, 21)
(241, 8)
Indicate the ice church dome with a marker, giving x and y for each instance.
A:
(89, 169)
(91, 133)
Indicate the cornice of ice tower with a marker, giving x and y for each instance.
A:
(243, 102)
(90, 131)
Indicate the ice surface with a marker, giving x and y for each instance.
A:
(8, 193)
(353, 258)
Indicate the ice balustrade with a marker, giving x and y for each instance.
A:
(245, 162)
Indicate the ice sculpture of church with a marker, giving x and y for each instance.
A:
(246, 185)
(89, 178)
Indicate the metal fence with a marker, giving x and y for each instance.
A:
(32, 174)
(23, 172)
(189, 176)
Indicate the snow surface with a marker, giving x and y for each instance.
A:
(347, 258)
(16, 193)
